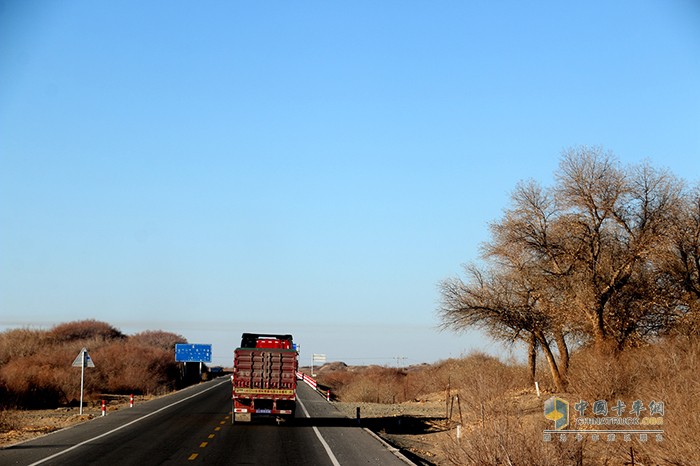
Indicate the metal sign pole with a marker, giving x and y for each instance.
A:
(82, 381)
(83, 360)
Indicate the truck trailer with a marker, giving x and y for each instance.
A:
(264, 377)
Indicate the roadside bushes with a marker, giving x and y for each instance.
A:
(157, 339)
(20, 342)
(38, 380)
(85, 330)
(371, 384)
(501, 416)
(377, 385)
(36, 370)
(477, 377)
(128, 367)
(666, 371)
(511, 430)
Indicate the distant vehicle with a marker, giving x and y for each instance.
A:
(264, 377)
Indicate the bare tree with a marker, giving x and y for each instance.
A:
(678, 265)
(617, 219)
(583, 260)
(530, 241)
(506, 307)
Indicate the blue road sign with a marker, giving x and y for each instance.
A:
(192, 353)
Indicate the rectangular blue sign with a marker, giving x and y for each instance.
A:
(187, 352)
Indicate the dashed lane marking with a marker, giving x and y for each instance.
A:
(326, 447)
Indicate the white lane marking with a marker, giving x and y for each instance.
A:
(329, 452)
(125, 425)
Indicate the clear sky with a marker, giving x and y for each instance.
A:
(315, 168)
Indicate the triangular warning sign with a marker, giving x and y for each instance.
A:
(80, 362)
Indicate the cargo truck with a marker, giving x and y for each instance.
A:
(264, 377)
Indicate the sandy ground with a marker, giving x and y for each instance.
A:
(26, 425)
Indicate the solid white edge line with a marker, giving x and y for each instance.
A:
(388, 446)
(55, 455)
(326, 447)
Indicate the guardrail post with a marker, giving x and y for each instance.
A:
(131, 401)
(104, 408)
(358, 415)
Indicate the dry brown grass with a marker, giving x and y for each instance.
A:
(8, 420)
(667, 371)
(502, 418)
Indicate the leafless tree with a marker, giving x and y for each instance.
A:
(678, 265)
(617, 219)
(506, 307)
(609, 255)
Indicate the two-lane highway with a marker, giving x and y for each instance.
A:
(194, 426)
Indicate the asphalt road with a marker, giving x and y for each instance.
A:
(194, 426)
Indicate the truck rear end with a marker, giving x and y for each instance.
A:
(264, 377)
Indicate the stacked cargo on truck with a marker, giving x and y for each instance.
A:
(264, 377)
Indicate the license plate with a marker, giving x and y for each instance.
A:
(263, 411)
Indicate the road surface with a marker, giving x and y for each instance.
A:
(194, 427)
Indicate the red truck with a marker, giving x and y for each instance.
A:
(264, 377)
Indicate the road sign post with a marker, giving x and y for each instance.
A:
(317, 358)
(83, 360)
(187, 352)
(192, 353)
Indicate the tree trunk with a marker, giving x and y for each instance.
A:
(559, 379)
(563, 351)
(532, 357)
(600, 336)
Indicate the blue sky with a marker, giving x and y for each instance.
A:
(315, 168)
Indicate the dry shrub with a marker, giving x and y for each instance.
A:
(666, 371)
(503, 422)
(505, 437)
(335, 376)
(8, 421)
(157, 339)
(36, 366)
(603, 376)
(373, 384)
(127, 368)
(20, 342)
(84, 330)
(511, 432)
(476, 378)
(38, 381)
(481, 380)
(376, 385)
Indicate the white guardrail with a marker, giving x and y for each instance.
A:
(313, 384)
